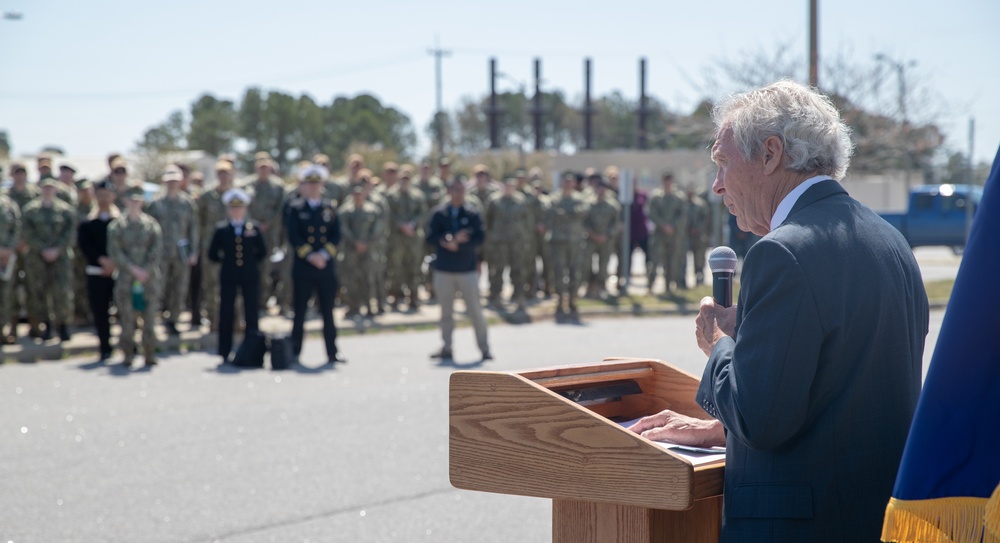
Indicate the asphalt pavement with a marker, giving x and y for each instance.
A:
(194, 452)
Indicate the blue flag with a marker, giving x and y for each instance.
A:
(948, 485)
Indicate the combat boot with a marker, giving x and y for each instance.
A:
(149, 354)
(47, 334)
(63, 333)
(33, 330)
(572, 304)
(559, 306)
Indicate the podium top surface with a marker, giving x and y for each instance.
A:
(519, 433)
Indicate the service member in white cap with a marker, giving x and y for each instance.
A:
(313, 234)
(238, 247)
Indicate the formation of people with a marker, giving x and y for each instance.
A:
(75, 253)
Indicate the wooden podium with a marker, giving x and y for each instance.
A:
(551, 433)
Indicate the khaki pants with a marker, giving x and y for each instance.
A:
(446, 285)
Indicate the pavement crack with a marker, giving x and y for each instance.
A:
(327, 514)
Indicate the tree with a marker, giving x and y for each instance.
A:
(892, 130)
(213, 125)
(167, 136)
(4, 145)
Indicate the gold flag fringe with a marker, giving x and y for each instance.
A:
(993, 515)
(941, 520)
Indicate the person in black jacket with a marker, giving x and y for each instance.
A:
(239, 246)
(313, 234)
(455, 231)
(92, 235)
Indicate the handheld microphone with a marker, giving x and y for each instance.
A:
(722, 262)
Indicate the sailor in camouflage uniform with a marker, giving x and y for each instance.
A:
(667, 210)
(211, 210)
(267, 204)
(49, 230)
(508, 225)
(135, 244)
(602, 225)
(10, 234)
(22, 193)
(177, 215)
(435, 193)
(361, 225)
(408, 208)
(564, 223)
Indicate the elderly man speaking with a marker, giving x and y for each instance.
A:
(813, 377)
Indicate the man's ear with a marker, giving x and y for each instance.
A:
(773, 154)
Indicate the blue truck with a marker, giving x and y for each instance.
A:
(937, 215)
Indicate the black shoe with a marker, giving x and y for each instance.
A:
(47, 334)
(171, 328)
(487, 356)
(105, 355)
(443, 354)
(337, 359)
(63, 333)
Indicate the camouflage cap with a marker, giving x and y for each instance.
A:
(223, 166)
(17, 167)
(67, 166)
(135, 192)
(480, 168)
(118, 162)
(47, 182)
(44, 161)
(171, 175)
(358, 188)
(406, 171)
(262, 155)
(263, 161)
(104, 184)
(83, 184)
(321, 159)
(390, 166)
(444, 161)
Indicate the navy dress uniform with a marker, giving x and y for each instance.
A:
(238, 245)
(313, 235)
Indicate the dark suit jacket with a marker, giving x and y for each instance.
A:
(465, 258)
(818, 388)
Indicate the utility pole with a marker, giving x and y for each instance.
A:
(536, 110)
(900, 68)
(492, 111)
(438, 54)
(643, 111)
(588, 108)
(814, 43)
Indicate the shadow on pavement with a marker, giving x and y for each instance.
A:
(451, 363)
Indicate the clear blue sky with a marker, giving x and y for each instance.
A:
(91, 76)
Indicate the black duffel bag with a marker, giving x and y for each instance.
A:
(282, 354)
(250, 354)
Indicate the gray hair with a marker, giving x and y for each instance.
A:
(814, 136)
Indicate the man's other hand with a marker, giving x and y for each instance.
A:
(714, 322)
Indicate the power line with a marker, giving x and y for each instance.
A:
(339, 71)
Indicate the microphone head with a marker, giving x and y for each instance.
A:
(722, 260)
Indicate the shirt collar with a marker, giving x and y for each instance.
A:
(788, 202)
